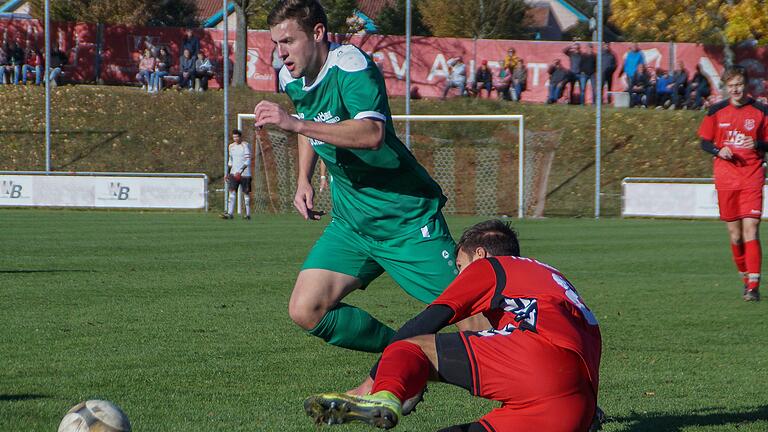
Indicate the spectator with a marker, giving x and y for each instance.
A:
(33, 62)
(203, 71)
(457, 77)
(558, 77)
(59, 59)
(503, 84)
(483, 80)
(609, 68)
(698, 90)
(146, 67)
(191, 43)
(664, 86)
(633, 60)
(16, 59)
(277, 65)
(519, 80)
(588, 68)
(162, 66)
(640, 83)
(679, 84)
(187, 70)
(650, 89)
(4, 63)
(511, 59)
(574, 55)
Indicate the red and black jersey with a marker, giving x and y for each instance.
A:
(728, 125)
(522, 294)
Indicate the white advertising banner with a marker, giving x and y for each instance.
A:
(18, 190)
(679, 199)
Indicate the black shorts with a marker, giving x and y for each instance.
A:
(244, 184)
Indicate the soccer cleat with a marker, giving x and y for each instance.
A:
(226, 216)
(248, 217)
(751, 295)
(381, 410)
(597, 420)
(409, 405)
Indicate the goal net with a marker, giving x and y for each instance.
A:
(485, 165)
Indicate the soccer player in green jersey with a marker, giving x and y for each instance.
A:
(386, 208)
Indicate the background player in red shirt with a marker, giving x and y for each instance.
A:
(541, 359)
(734, 131)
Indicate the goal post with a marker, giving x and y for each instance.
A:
(276, 179)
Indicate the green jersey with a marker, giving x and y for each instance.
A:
(382, 193)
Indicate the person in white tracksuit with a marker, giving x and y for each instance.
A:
(239, 174)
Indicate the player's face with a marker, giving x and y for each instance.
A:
(464, 259)
(735, 88)
(298, 50)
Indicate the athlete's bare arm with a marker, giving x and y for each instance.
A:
(304, 201)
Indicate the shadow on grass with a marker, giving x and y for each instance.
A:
(660, 422)
(45, 271)
(21, 397)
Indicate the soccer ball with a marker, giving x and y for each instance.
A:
(95, 416)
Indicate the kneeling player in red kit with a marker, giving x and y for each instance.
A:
(734, 131)
(541, 359)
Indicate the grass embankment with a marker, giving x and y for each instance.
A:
(124, 129)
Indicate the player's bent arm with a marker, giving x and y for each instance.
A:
(709, 147)
(363, 134)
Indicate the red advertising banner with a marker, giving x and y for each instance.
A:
(110, 54)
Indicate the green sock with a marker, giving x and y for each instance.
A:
(353, 328)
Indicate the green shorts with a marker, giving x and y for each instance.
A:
(422, 262)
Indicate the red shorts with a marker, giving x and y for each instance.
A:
(740, 204)
(542, 387)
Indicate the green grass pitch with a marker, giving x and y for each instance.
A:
(180, 318)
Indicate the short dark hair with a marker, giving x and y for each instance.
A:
(735, 71)
(307, 13)
(237, 132)
(498, 238)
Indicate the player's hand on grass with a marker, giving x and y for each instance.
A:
(304, 201)
(267, 112)
(725, 153)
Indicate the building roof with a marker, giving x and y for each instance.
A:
(538, 16)
(371, 8)
(207, 8)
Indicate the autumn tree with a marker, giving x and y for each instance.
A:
(391, 19)
(178, 13)
(486, 19)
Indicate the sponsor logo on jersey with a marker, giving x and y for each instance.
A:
(323, 117)
(526, 312)
(749, 124)
(724, 125)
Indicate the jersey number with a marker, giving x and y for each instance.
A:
(573, 296)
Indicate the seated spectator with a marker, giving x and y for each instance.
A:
(59, 59)
(33, 63)
(187, 70)
(519, 80)
(679, 85)
(558, 77)
(640, 83)
(146, 68)
(15, 59)
(203, 71)
(698, 90)
(664, 86)
(457, 77)
(162, 66)
(503, 84)
(483, 80)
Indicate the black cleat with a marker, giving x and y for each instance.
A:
(225, 216)
(752, 295)
(597, 420)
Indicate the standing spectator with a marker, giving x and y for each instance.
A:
(558, 78)
(239, 174)
(640, 83)
(698, 90)
(734, 132)
(457, 77)
(679, 84)
(277, 64)
(503, 84)
(511, 59)
(519, 80)
(575, 56)
(664, 87)
(146, 67)
(59, 59)
(16, 59)
(609, 68)
(588, 68)
(483, 80)
(191, 43)
(203, 70)
(4, 63)
(162, 66)
(33, 62)
(187, 70)
(634, 59)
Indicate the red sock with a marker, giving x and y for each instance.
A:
(403, 370)
(737, 249)
(753, 254)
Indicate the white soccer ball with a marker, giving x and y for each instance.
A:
(95, 416)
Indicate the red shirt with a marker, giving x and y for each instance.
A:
(728, 125)
(522, 294)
